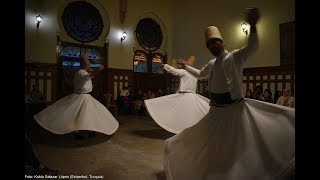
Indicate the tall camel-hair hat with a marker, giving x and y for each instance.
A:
(212, 32)
(190, 61)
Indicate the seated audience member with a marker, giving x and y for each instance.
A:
(124, 91)
(167, 91)
(267, 96)
(249, 94)
(150, 94)
(38, 103)
(286, 99)
(125, 99)
(160, 93)
(138, 102)
(27, 100)
(277, 94)
(258, 95)
(36, 95)
(145, 95)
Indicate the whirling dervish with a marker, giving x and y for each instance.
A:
(178, 111)
(79, 110)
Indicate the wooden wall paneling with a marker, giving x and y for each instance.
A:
(116, 79)
(43, 75)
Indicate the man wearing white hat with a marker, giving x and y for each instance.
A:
(185, 108)
(239, 139)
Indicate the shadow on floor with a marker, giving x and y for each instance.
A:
(154, 133)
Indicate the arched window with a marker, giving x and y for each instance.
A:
(149, 34)
(157, 60)
(140, 61)
(82, 21)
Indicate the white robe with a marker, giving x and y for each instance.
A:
(248, 140)
(78, 111)
(175, 112)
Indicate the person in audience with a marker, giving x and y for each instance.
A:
(145, 95)
(267, 96)
(27, 97)
(32, 164)
(38, 103)
(239, 138)
(138, 102)
(172, 112)
(124, 92)
(249, 94)
(36, 94)
(27, 100)
(126, 99)
(79, 110)
(258, 95)
(160, 93)
(286, 99)
(150, 94)
(167, 91)
(277, 94)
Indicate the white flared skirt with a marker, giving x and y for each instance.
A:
(248, 140)
(77, 112)
(177, 112)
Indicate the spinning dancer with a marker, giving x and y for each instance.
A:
(239, 139)
(175, 112)
(79, 110)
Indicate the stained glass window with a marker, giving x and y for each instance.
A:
(70, 56)
(77, 64)
(149, 34)
(82, 21)
(157, 60)
(140, 62)
(70, 51)
(94, 54)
